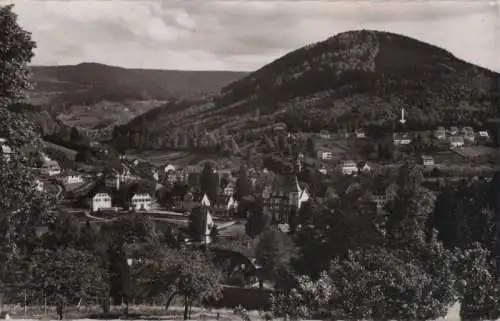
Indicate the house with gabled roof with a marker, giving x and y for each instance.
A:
(427, 160)
(101, 201)
(141, 201)
(457, 141)
(401, 138)
(282, 197)
(349, 167)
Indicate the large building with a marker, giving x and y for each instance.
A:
(282, 198)
(142, 202)
(101, 201)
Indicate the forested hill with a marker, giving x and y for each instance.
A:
(354, 79)
(94, 95)
(93, 81)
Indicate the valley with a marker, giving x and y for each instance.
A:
(354, 178)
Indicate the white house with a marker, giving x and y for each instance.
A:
(440, 133)
(101, 201)
(456, 141)
(73, 179)
(401, 138)
(51, 168)
(483, 134)
(324, 134)
(349, 167)
(325, 155)
(6, 150)
(360, 133)
(54, 170)
(427, 160)
(142, 202)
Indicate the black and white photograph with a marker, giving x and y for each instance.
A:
(250, 160)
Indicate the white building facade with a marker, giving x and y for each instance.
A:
(349, 167)
(73, 179)
(101, 201)
(141, 202)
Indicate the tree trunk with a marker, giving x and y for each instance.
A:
(59, 309)
(106, 305)
(186, 308)
(169, 301)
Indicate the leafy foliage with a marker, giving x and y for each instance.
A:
(274, 253)
(479, 284)
(16, 51)
(258, 218)
(187, 273)
(209, 181)
(376, 283)
(356, 79)
(23, 207)
(243, 185)
(64, 276)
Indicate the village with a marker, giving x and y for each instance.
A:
(173, 191)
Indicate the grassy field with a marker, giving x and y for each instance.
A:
(137, 312)
(159, 313)
(474, 151)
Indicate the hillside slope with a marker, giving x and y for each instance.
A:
(354, 79)
(96, 95)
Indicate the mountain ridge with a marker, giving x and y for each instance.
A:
(353, 79)
(94, 95)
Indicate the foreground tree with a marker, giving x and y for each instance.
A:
(22, 206)
(185, 273)
(379, 284)
(64, 276)
(130, 235)
(479, 286)
(258, 218)
(243, 185)
(274, 253)
(209, 181)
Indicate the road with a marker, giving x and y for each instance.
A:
(172, 218)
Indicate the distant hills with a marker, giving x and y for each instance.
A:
(354, 79)
(95, 95)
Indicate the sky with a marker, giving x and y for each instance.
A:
(243, 34)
